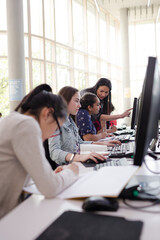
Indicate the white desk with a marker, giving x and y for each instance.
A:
(35, 214)
(30, 218)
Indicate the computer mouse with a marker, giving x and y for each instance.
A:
(100, 204)
(124, 140)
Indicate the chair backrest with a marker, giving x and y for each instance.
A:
(53, 164)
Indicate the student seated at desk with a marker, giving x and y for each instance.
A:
(64, 146)
(103, 89)
(22, 152)
(90, 105)
(36, 90)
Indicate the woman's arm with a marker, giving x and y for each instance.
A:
(55, 149)
(110, 143)
(95, 137)
(106, 117)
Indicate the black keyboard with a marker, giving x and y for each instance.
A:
(124, 132)
(123, 138)
(121, 128)
(123, 150)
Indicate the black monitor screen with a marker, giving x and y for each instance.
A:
(134, 113)
(148, 112)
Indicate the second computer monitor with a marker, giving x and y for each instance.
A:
(134, 113)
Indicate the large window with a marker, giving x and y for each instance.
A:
(91, 28)
(67, 42)
(103, 36)
(78, 25)
(62, 21)
(144, 42)
(4, 90)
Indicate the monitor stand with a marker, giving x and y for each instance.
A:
(157, 147)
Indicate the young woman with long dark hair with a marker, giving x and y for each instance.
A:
(22, 152)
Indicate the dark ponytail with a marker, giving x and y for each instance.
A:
(35, 91)
(41, 97)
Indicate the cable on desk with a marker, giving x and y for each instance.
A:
(140, 208)
(149, 168)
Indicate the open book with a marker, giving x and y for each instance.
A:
(88, 148)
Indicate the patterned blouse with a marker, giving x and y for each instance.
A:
(85, 123)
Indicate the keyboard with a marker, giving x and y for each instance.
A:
(123, 138)
(112, 162)
(120, 128)
(123, 150)
(124, 132)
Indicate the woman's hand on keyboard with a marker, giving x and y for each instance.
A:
(92, 156)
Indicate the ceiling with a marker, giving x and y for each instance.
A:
(117, 4)
(114, 6)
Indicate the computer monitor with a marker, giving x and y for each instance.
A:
(134, 113)
(149, 111)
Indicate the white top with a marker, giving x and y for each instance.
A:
(22, 152)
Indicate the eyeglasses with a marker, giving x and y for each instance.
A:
(59, 127)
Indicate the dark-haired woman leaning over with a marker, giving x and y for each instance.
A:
(103, 89)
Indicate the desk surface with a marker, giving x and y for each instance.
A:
(35, 214)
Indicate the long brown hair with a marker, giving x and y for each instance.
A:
(67, 93)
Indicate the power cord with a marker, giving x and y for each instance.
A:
(148, 167)
(140, 208)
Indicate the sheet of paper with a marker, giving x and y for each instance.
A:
(100, 152)
(108, 182)
(92, 148)
(31, 187)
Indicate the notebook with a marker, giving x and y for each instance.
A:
(107, 182)
(84, 226)
(88, 148)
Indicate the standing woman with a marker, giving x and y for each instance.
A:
(103, 91)
(64, 146)
(22, 152)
